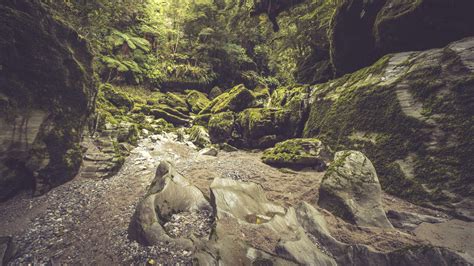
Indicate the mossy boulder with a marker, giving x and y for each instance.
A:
(215, 91)
(298, 153)
(199, 136)
(262, 95)
(235, 100)
(363, 31)
(175, 101)
(411, 114)
(197, 101)
(116, 97)
(170, 115)
(221, 127)
(263, 127)
(202, 120)
(47, 79)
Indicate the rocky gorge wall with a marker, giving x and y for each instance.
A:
(47, 91)
(411, 113)
(361, 32)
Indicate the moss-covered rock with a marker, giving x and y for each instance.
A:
(197, 101)
(117, 98)
(235, 100)
(298, 153)
(411, 115)
(170, 115)
(221, 127)
(262, 95)
(175, 101)
(199, 136)
(215, 91)
(47, 78)
(263, 127)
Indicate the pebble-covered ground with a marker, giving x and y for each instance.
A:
(86, 221)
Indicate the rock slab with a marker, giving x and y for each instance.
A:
(351, 190)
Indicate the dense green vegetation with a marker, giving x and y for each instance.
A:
(200, 44)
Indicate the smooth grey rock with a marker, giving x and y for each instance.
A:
(313, 223)
(409, 220)
(209, 151)
(351, 190)
(243, 215)
(169, 193)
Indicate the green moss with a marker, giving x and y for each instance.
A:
(235, 100)
(117, 98)
(197, 101)
(262, 95)
(199, 136)
(297, 153)
(172, 117)
(221, 127)
(175, 101)
(202, 120)
(263, 127)
(362, 111)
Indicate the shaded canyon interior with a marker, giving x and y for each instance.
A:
(222, 132)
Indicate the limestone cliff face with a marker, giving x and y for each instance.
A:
(47, 91)
(412, 114)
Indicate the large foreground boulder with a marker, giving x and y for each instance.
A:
(169, 193)
(363, 31)
(47, 91)
(411, 114)
(351, 190)
(250, 230)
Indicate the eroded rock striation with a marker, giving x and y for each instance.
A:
(47, 92)
(411, 114)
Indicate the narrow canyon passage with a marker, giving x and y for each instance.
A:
(225, 132)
